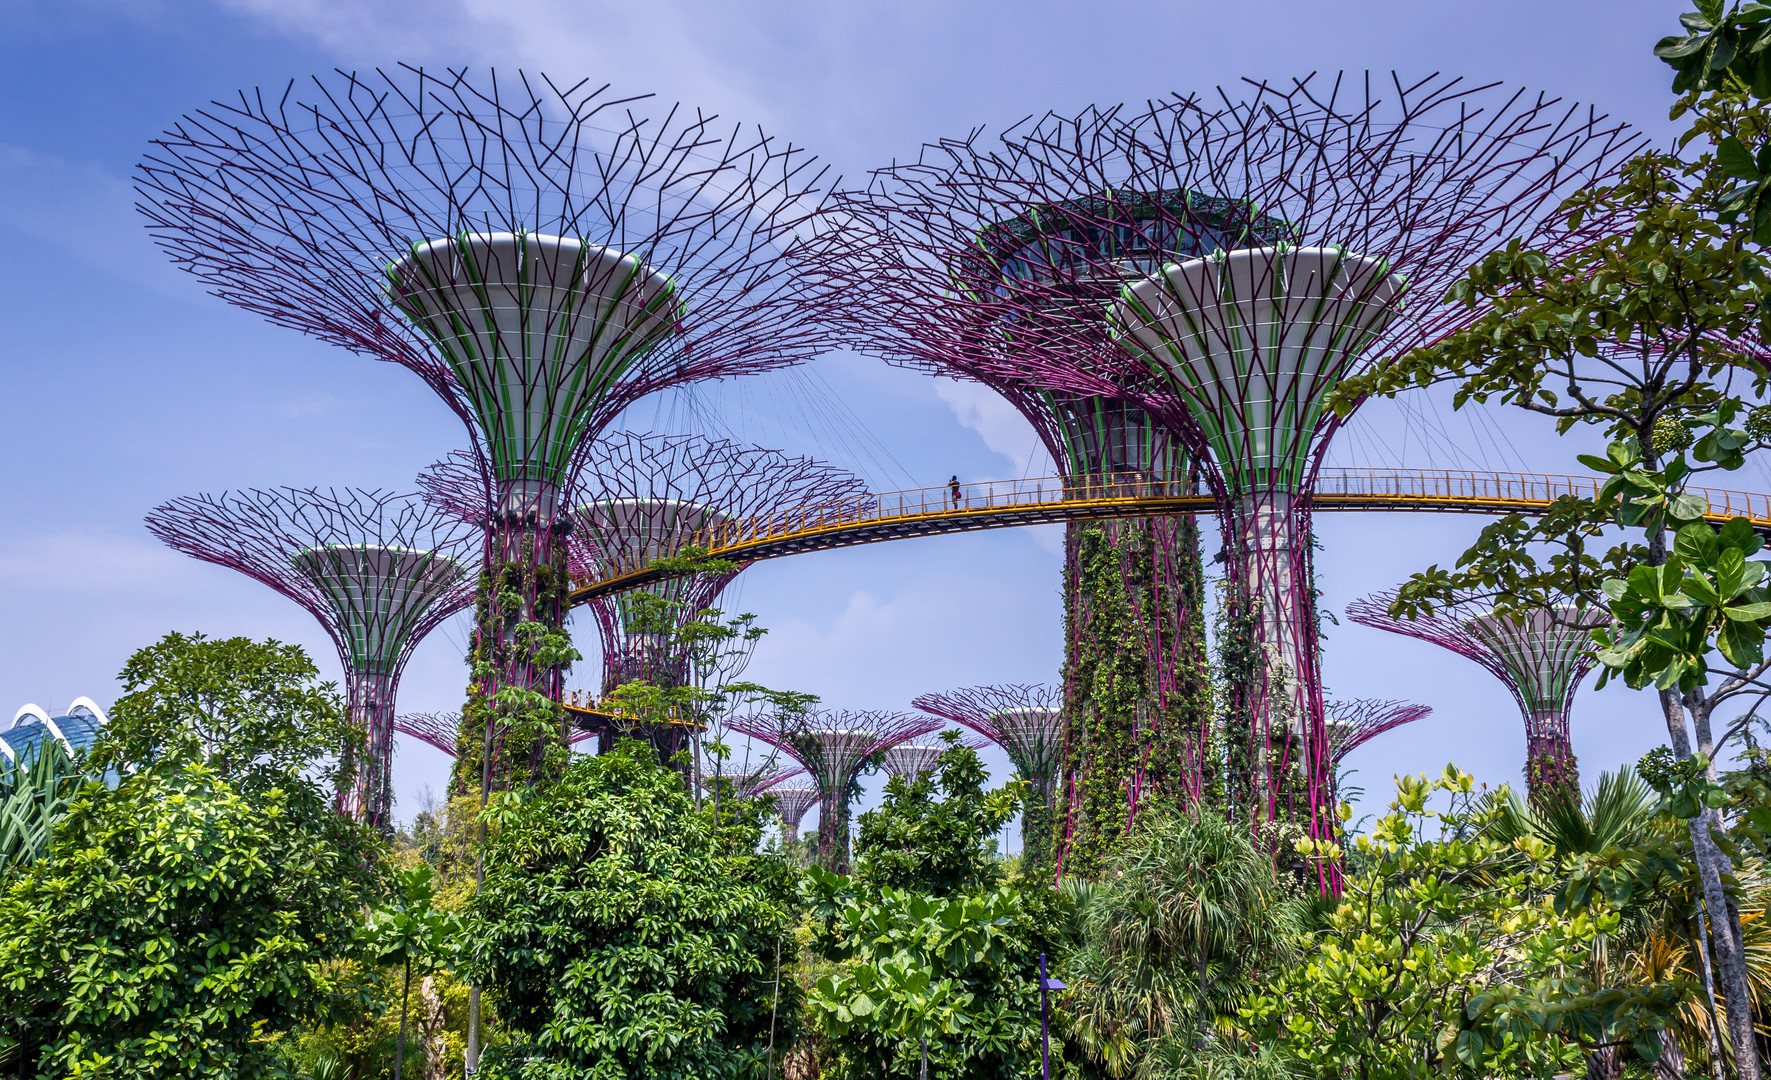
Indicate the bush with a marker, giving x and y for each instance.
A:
(625, 934)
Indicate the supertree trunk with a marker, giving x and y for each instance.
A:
(1135, 689)
(511, 726)
(370, 701)
(1551, 773)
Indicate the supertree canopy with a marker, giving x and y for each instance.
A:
(792, 802)
(886, 272)
(438, 729)
(1027, 721)
(378, 570)
(541, 255)
(641, 497)
(647, 496)
(1540, 655)
(833, 746)
(1355, 722)
(1223, 263)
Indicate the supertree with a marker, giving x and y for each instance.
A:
(1540, 655)
(1027, 721)
(378, 570)
(1135, 675)
(438, 729)
(792, 801)
(1224, 263)
(833, 746)
(541, 255)
(1354, 722)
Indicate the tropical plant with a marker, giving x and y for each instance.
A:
(186, 914)
(412, 932)
(1455, 953)
(1188, 918)
(34, 794)
(623, 933)
(936, 957)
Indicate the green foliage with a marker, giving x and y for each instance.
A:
(929, 945)
(183, 917)
(251, 709)
(34, 794)
(624, 933)
(1188, 919)
(940, 847)
(410, 932)
(1126, 729)
(1448, 954)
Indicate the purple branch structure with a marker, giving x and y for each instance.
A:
(378, 570)
(1541, 656)
(542, 255)
(912, 759)
(748, 785)
(885, 273)
(438, 729)
(644, 497)
(792, 802)
(833, 746)
(1353, 723)
(1027, 721)
(1223, 263)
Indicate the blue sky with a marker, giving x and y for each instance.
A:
(128, 386)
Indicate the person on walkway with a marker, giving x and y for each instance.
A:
(953, 485)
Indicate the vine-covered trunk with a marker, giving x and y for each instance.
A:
(1286, 771)
(1136, 691)
(512, 711)
(1551, 773)
(1037, 842)
(370, 798)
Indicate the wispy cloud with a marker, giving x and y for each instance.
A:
(1003, 429)
(685, 51)
(84, 211)
(93, 561)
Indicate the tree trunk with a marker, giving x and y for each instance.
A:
(431, 1024)
(1604, 1064)
(405, 997)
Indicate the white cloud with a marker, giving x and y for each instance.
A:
(1003, 429)
(679, 51)
(92, 561)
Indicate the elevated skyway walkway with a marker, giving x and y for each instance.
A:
(1003, 503)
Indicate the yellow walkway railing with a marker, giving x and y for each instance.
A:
(1002, 503)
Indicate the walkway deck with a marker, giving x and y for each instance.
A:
(1004, 503)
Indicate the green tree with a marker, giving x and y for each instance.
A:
(1455, 952)
(1646, 332)
(1188, 918)
(623, 932)
(412, 932)
(935, 955)
(181, 918)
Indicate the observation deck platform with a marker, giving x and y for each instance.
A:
(1001, 504)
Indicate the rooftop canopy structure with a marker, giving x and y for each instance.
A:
(1541, 656)
(1353, 723)
(438, 729)
(1223, 262)
(75, 730)
(378, 570)
(833, 746)
(1027, 721)
(541, 254)
(645, 497)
